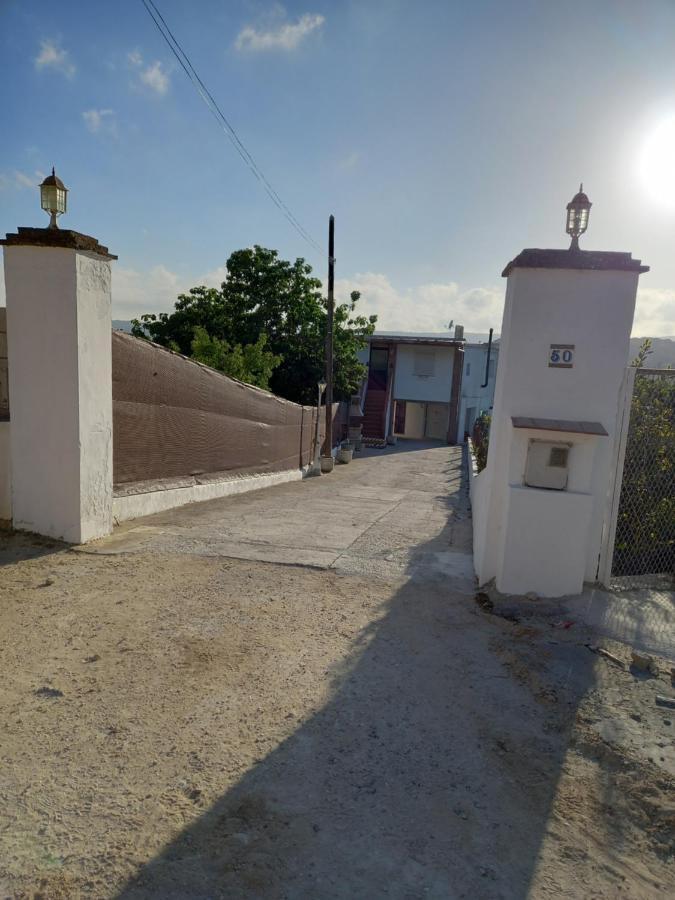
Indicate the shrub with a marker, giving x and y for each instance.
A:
(481, 439)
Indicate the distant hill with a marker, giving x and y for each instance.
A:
(663, 352)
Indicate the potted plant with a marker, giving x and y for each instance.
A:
(346, 452)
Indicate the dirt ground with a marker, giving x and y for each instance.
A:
(179, 726)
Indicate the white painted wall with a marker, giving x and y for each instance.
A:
(522, 534)
(60, 386)
(436, 387)
(5, 473)
(414, 420)
(134, 505)
(472, 395)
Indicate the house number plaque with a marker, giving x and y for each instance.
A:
(561, 356)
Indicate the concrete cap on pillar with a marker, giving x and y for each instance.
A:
(608, 260)
(56, 237)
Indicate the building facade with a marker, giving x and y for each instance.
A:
(413, 386)
(478, 383)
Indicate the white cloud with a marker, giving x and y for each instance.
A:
(52, 56)
(428, 307)
(654, 313)
(285, 36)
(153, 76)
(25, 181)
(19, 180)
(156, 78)
(135, 292)
(350, 161)
(100, 120)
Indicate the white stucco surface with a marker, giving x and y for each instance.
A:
(133, 506)
(593, 310)
(435, 387)
(545, 542)
(94, 327)
(59, 325)
(5, 473)
(474, 397)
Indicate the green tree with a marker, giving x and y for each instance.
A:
(269, 296)
(252, 363)
(644, 351)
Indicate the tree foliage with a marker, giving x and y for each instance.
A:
(481, 439)
(264, 295)
(252, 363)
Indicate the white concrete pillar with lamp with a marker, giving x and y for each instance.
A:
(60, 378)
(540, 503)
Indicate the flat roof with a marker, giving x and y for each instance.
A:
(610, 260)
(566, 425)
(411, 337)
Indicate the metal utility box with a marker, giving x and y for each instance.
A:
(547, 464)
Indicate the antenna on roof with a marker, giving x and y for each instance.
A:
(452, 322)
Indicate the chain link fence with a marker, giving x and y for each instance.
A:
(644, 547)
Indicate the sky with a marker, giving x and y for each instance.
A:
(444, 137)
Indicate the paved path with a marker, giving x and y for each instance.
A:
(398, 512)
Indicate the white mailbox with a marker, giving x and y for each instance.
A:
(547, 464)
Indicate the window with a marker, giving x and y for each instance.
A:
(425, 363)
(468, 369)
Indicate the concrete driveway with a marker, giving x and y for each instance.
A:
(403, 511)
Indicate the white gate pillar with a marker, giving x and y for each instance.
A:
(564, 347)
(60, 382)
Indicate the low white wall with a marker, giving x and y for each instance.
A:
(5, 473)
(545, 542)
(135, 505)
(478, 496)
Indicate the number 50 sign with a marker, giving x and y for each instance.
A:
(561, 356)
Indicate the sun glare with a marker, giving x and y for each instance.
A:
(657, 164)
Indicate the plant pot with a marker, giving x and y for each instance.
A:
(327, 463)
(344, 455)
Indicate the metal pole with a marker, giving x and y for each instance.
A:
(316, 465)
(328, 442)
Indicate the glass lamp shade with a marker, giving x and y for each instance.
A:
(322, 386)
(578, 210)
(53, 197)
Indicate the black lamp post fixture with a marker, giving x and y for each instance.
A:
(53, 197)
(578, 210)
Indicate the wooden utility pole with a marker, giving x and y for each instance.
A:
(328, 442)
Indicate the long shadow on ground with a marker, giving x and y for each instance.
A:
(430, 772)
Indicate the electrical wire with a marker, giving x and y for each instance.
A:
(227, 127)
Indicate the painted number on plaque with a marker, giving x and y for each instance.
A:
(561, 356)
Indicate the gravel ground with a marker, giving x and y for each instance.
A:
(180, 725)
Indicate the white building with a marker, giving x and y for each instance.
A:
(413, 385)
(478, 382)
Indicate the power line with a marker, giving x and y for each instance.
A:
(229, 130)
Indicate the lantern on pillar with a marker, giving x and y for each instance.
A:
(53, 197)
(578, 210)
